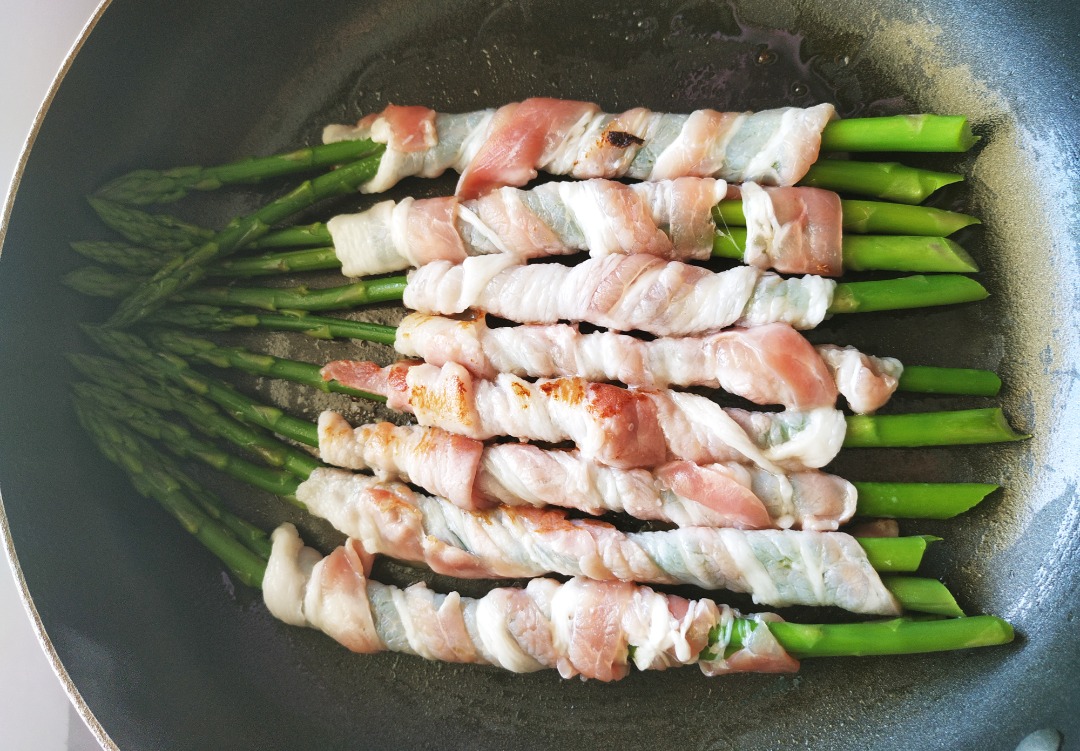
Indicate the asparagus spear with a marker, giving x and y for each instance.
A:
(932, 501)
(885, 555)
(889, 181)
(922, 429)
(874, 252)
(901, 293)
(154, 186)
(915, 378)
(919, 133)
(871, 218)
(182, 272)
(895, 636)
(167, 233)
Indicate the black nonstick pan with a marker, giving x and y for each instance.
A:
(163, 650)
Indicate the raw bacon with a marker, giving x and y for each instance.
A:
(793, 230)
(671, 219)
(507, 146)
(621, 293)
(544, 625)
(474, 476)
(776, 567)
(624, 428)
(768, 364)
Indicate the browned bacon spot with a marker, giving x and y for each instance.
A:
(621, 139)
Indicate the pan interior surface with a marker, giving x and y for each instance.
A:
(167, 651)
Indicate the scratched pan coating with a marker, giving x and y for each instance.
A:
(165, 651)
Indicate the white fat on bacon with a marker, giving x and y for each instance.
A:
(793, 230)
(768, 364)
(671, 219)
(508, 146)
(474, 476)
(866, 381)
(625, 428)
(776, 567)
(581, 628)
(622, 293)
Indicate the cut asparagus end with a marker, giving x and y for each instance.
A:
(947, 428)
(915, 500)
(920, 595)
(888, 181)
(919, 133)
(906, 253)
(884, 218)
(896, 555)
(923, 379)
(898, 636)
(873, 252)
(905, 293)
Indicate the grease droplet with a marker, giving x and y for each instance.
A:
(799, 89)
(765, 56)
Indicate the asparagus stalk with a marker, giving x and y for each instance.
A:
(931, 500)
(900, 293)
(961, 427)
(875, 252)
(95, 281)
(920, 133)
(936, 501)
(860, 253)
(921, 429)
(213, 318)
(915, 378)
(889, 181)
(943, 133)
(871, 218)
(167, 233)
(895, 636)
(182, 272)
(154, 186)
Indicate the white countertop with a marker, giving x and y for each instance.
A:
(35, 712)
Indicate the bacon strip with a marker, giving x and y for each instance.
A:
(768, 364)
(671, 219)
(621, 293)
(493, 148)
(776, 567)
(474, 476)
(624, 428)
(793, 230)
(582, 628)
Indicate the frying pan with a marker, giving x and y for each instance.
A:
(163, 650)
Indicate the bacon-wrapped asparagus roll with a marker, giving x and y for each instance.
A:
(474, 476)
(793, 230)
(768, 364)
(508, 145)
(776, 567)
(581, 627)
(625, 428)
(666, 298)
